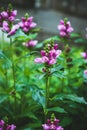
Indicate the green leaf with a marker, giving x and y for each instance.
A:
(74, 35)
(38, 95)
(55, 38)
(79, 40)
(42, 76)
(3, 97)
(57, 109)
(71, 97)
(18, 33)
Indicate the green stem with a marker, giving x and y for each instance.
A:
(2, 45)
(6, 76)
(13, 71)
(46, 96)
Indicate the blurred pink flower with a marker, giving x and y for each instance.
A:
(26, 24)
(31, 43)
(4, 14)
(65, 28)
(84, 55)
(11, 127)
(50, 56)
(52, 125)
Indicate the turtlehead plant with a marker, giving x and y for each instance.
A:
(49, 54)
(52, 124)
(65, 28)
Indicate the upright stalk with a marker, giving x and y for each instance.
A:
(46, 96)
(13, 72)
(2, 48)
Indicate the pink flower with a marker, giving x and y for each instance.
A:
(4, 14)
(85, 72)
(11, 127)
(27, 24)
(59, 128)
(55, 46)
(62, 33)
(84, 55)
(31, 43)
(52, 125)
(62, 27)
(11, 18)
(43, 53)
(50, 56)
(52, 61)
(70, 29)
(65, 28)
(2, 124)
(13, 30)
(14, 13)
(38, 60)
(5, 26)
(45, 59)
(32, 25)
(8, 127)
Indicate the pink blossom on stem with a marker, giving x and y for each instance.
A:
(31, 43)
(5, 26)
(84, 55)
(50, 56)
(52, 125)
(14, 13)
(85, 72)
(27, 24)
(13, 30)
(65, 28)
(4, 14)
(38, 60)
(11, 127)
(2, 124)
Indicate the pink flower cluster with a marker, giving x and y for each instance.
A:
(26, 24)
(4, 126)
(84, 55)
(49, 56)
(6, 21)
(7, 16)
(65, 28)
(52, 125)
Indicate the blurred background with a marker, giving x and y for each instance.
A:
(47, 13)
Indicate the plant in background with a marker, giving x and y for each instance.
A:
(65, 28)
